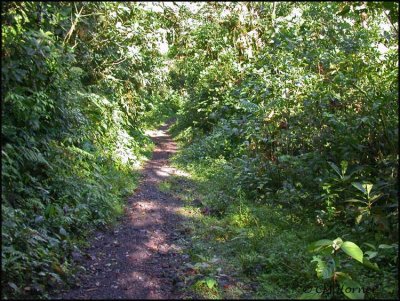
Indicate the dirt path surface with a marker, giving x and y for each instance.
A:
(141, 257)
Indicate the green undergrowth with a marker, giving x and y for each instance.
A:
(291, 140)
(261, 246)
(75, 107)
(41, 238)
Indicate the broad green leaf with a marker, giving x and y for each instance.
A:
(352, 250)
(352, 289)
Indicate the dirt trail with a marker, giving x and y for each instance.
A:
(140, 258)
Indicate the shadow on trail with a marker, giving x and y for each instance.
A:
(141, 257)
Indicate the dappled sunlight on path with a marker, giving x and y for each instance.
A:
(142, 256)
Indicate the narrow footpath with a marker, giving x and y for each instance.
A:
(141, 257)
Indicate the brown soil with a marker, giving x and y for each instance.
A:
(142, 256)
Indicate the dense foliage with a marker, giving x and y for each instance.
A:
(80, 81)
(289, 109)
(297, 102)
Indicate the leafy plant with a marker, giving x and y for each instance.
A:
(329, 263)
(367, 200)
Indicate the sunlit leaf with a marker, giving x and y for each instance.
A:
(352, 250)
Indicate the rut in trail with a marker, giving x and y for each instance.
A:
(140, 258)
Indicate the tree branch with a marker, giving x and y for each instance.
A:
(71, 30)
